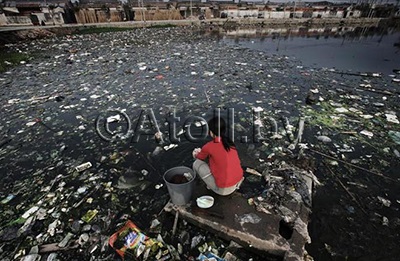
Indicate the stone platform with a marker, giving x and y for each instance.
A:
(231, 218)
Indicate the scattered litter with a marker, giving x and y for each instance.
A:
(341, 110)
(66, 239)
(247, 218)
(367, 133)
(253, 171)
(130, 242)
(324, 139)
(171, 146)
(90, 214)
(392, 118)
(8, 199)
(30, 212)
(258, 109)
(174, 69)
(200, 123)
(209, 257)
(395, 135)
(30, 124)
(384, 201)
(114, 118)
(385, 221)
(83, 166)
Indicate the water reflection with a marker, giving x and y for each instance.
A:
(307, 32)
(368, 49)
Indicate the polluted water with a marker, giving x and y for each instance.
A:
(74, 174)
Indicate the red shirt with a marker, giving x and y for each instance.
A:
(225, 165)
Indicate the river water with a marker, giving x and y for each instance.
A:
(338, 230)
(358, 49)
(49, 112)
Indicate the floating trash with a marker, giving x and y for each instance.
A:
(83, 167)
(48, 130)
(367, 133)
(324, 139)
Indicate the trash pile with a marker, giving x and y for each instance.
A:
(74, 172)
(287, 192)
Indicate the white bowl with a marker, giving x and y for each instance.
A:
(205, 202)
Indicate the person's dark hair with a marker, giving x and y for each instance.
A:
(220, 131)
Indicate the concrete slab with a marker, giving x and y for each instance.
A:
(231, 218)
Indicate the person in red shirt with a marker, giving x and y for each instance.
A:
(223, 174)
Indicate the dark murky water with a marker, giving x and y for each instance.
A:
(346, 223)
(357, 49)
(274, 72)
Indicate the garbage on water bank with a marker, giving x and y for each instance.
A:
(129, 242)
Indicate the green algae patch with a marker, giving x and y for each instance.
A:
(11, 59)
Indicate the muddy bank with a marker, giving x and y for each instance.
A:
(31, 34)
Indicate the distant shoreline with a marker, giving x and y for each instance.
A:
(215, 21)
(12, 34)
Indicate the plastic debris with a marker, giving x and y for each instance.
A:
(83, 166)
(82, 76)
(66, 239)
(248, 218)
(29, 212)
(90, 214)
(209, 257)
(83, 239)
(384, 201)
(52, 227)
(367, 133)
(130, 242)
(395, 135)
(385, 221)
(341, 110)
(253, 171)
(392, 118)
(171, 146)
(7, 199)
(324, 139)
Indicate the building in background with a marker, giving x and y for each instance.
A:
(25, 12)
(58, 12)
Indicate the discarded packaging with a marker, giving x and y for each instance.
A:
(7, 199)
(83, 167)
(66, 239)
(90, 215)
(130, 241)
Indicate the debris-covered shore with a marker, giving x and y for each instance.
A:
(55, 106)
